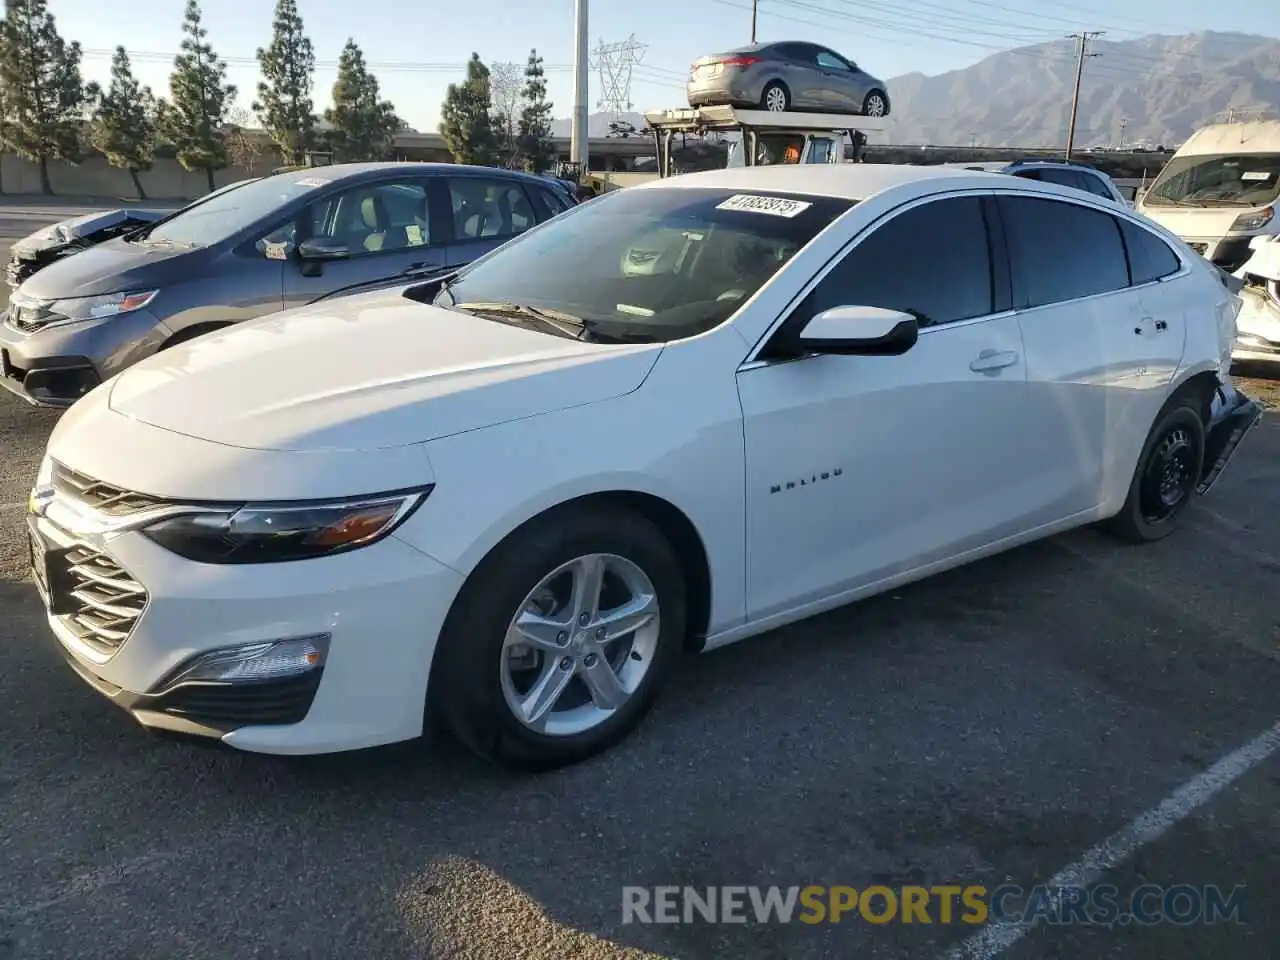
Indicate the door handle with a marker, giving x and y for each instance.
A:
(993, 361)
(1162, 325)
(1146, 325)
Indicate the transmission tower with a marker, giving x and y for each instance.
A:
(615, 62)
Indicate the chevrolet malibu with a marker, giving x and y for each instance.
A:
(683, 414)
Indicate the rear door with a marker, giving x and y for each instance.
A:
(1091, 346)
(387, 227)
(486, 212)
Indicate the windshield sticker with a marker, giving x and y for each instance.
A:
(1256, 175)
(773, 206)
(312, 182)
(413, 233)
(276, 251)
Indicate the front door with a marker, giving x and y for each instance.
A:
(859, 468)
(386, 227)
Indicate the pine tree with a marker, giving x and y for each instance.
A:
(363, 125)
(200, 97)
(123, 127)
(535, 119)
(284, 98)
(467, 117)
(44, 97)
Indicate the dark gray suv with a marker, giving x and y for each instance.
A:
(279, 242)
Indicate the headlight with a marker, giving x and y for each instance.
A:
(1254, 219)
(278, 533)
(109, 305)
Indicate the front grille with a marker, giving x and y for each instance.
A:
(30, 316)
(102, 602)
(104, 497)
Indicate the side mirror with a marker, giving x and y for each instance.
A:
(323, 248)
(859, 331)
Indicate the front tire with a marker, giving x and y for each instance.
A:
(1166, 476)
(559, 642)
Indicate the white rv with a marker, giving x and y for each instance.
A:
(1220, 190)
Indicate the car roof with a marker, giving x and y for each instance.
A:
(335, 172)
(851, 181)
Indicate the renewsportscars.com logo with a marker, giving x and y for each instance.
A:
(974, 905)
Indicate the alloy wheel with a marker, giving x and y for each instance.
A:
(580, 645)
(775, 100)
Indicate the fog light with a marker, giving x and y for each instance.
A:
(269, 660)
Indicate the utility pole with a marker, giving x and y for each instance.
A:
(754, 5)
(581, 72)
(1082, 44)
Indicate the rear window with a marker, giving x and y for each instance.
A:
(653, 264)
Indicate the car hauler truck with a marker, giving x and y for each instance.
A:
(763, 137)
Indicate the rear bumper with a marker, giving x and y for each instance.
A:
(1238, 416)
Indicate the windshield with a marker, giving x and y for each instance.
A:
(224, 214)
(651, 264)
(1229, 180)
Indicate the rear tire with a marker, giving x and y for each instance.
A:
(775, 98)
(1165, 479)
(487, 671)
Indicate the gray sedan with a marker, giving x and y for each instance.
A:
(279, 242)
(786, 76)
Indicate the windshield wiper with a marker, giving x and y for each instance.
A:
(565, 323)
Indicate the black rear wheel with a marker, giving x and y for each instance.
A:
(1166, 477)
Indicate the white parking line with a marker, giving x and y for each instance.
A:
(1146, 829)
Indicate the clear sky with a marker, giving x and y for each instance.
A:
(417, 47)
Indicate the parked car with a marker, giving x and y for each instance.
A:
(682, 414)
(67, 237)
(1258, 325)
(1077, 176)
(786, 76)
(281, 241)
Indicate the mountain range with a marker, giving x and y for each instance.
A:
(1154, 90)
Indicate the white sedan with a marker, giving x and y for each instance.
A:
(683, 414)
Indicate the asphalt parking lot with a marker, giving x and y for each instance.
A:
(995, 725)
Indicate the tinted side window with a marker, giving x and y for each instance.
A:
(830, 61)
(1149, 257)
(550, 201)
(485, 209)
(1061, 251)
(1096, 185)
(1064, 178)
(933, 259)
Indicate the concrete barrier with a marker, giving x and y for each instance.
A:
(97, 178)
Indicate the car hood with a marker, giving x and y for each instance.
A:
(82, 228)
(110, 267)
(1191, 223)
(372, 371)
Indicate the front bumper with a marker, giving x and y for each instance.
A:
(382, 608)
(1230, 425)
(55, 366)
